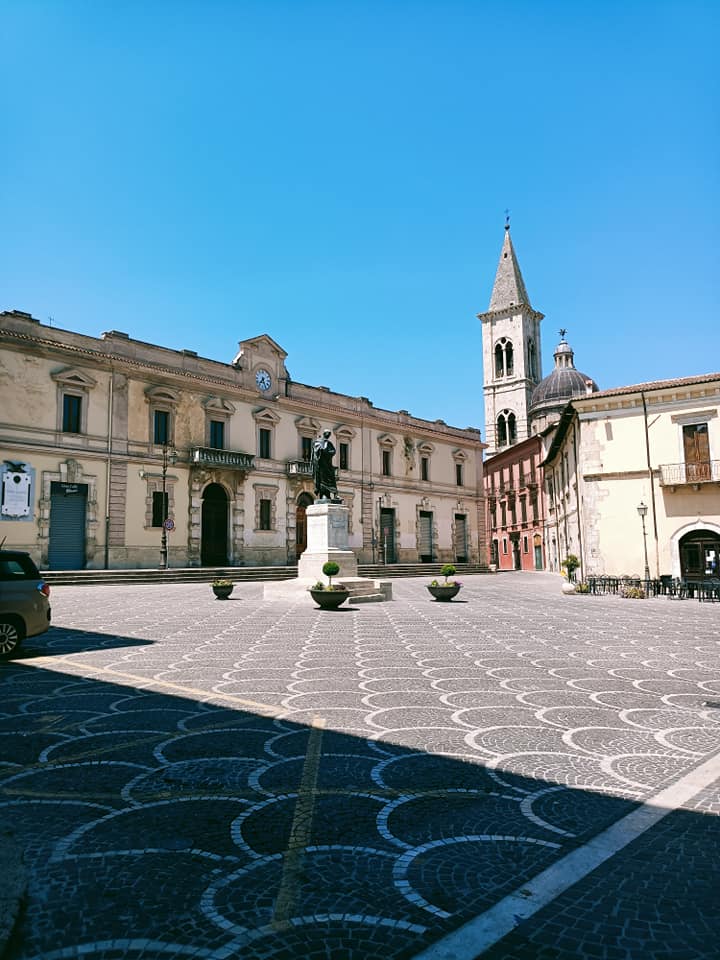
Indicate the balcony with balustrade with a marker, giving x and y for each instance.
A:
(683, 475)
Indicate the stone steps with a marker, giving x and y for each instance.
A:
(371, 571)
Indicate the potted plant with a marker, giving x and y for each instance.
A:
(222, 588)
(569, 565)
(448, 589)
(330, 596)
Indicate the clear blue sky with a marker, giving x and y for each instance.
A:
(335, 174)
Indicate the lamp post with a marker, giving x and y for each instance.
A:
(168, 456)
(642, 511)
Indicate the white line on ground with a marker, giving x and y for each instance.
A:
(478, 935)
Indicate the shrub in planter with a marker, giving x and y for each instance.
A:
(570, 565)
(582, 587)
(632, 593)
(222, 588)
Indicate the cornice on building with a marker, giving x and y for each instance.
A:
(296, 396)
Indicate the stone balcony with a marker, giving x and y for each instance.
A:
(230, 459)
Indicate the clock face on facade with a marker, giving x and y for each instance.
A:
(263, 379)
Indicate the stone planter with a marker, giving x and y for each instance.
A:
(222, 593)
(445, 592)
(568, 587)
(329, 599)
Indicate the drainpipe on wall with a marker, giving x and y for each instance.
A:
(581, 549)
(652, 485)
(107, 470)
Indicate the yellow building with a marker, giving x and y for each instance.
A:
(106, 442)
(633, 480)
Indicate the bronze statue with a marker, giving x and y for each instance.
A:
(324, 475)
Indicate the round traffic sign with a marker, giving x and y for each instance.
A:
(169, 524)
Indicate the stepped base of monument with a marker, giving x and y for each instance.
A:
(362, 590)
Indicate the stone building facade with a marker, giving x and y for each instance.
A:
(105, 440)
(633, 478)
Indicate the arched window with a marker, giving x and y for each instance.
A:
(504, 360)
(512, 427)
(499, 365)
(501, 431)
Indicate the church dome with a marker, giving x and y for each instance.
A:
(564, 383)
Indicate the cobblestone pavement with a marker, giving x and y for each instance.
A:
(264, 780)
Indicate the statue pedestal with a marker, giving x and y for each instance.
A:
(327, 539)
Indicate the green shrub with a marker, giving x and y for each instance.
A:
(582, 587)
(330, 569)
(632, 593)
(447, 570)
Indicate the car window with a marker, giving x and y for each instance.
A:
(17, 568)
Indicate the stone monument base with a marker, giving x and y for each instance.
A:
(327, 540)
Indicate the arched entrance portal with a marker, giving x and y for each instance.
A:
(700, 555)
(214, 542)
(304, 501)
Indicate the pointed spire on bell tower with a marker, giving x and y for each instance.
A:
(509, 287)
(511, 353)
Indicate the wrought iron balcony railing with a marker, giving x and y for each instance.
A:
(678, 474)
(299, 468)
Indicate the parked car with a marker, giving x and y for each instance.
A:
(24, 601)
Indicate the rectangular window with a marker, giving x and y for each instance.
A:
(162, 427)
(217, 434)
(344, 456)
(72, 407)
(264, 443)
(525, 544)
(696, 445)
(265, 514)
(424, 468)
(523, 511)
(493, 519)
(503, 514)
(459, 474)
(306, 448)
(386, 463)
(159, 508)
(505, 547)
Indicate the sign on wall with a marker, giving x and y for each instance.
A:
(16, 489)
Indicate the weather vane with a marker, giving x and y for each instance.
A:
(563, 331)
(507, 219)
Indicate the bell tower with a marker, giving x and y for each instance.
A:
(511, 354)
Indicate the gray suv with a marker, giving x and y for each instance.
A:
(24, 603)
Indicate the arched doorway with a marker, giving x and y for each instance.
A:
(214, 542)
(303, 501)
(700, 555)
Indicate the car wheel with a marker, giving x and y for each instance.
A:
(11, 636)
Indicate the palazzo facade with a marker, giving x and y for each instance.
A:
(106, 442)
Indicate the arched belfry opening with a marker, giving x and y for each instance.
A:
(215, 523)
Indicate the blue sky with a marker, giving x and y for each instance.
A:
(335, 174)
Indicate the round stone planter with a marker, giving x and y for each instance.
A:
(445, 593)
(222, 593)
(568, 587)
(329, 599)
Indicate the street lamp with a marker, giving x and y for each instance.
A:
(168, 456)
(642, 511)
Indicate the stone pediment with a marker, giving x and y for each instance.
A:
(256, 348)
(74, 377)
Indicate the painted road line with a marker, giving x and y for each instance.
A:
(478, 935)
(301, 829)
